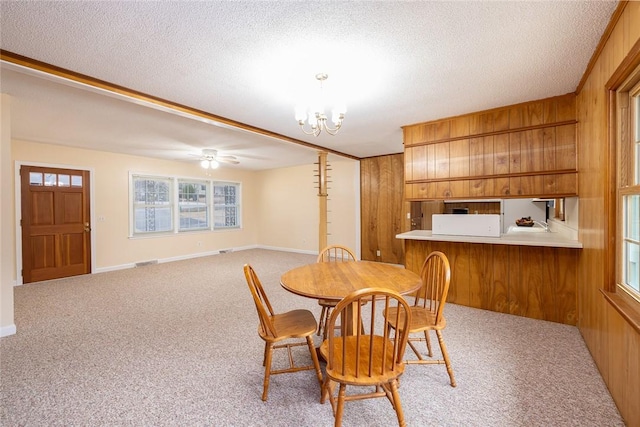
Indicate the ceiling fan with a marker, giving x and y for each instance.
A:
(209, 159)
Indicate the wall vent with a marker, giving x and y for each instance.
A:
(225, 251)
(143, 263)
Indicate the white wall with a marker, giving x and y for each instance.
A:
(289, 206)
(7, 259)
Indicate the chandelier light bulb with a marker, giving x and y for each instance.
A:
(316, 118)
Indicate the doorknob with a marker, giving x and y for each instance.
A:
(86, 227)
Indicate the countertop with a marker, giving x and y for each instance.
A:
(552, 240)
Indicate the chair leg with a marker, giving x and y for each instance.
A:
(321, 321)
(267, 370)
(428, 340)
(445, 355)
(264, 356)
(341, 395)
(325, 390)
(326, 319)
(316, 362)
(396, 403)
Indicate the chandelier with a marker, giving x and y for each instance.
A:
(316, 118)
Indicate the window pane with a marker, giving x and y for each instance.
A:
(632, 229)
(35, 178)
(193, 205)
(150, 219)
(50, 179)
(637, 118)
(226, 200)
(632, 252)
(64, 180)
(76, 181)
(153, 208)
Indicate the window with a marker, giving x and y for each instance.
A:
(193, 205)
(165, 204)
(226, 205)
(152, 204)
(629, 190)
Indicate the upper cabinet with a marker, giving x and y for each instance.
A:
(523, 150)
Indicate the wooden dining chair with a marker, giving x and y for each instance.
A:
(369, 358)
(273, 328)
(332, 253)
(428, 310)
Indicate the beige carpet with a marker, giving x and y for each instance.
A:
(176, 345)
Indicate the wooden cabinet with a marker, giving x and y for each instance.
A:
(524, 150)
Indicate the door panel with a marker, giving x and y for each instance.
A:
(56, 233)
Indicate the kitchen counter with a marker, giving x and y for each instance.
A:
(552, 240)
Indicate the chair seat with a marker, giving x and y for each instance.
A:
(362, 376)
(421, 319)
(292, 324)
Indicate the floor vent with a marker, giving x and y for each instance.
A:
(225, 251)
(143, 263)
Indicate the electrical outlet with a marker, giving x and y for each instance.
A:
(378, 252)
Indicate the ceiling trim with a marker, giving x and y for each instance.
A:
(44, 67)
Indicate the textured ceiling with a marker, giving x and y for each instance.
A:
(393, 64)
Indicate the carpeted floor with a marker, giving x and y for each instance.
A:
(176, 345)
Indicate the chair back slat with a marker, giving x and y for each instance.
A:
(368, 351)
(436, 277)
(336, 253)
(263, 306)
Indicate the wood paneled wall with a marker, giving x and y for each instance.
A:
(523, 150)
(614, 344)
(535, 282)
(382, 208)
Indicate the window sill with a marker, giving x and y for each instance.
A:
(630, 313)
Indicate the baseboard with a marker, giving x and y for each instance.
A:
(298, 251)
(178, 258)
(5, 331)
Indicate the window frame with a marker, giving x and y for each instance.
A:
(132, 204)
(237, 205)
(208, 204)
(628, 180)
(622, 81)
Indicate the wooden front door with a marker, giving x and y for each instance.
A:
(56, 232)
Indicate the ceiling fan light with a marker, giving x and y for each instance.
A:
(205, 164)
(213, 164)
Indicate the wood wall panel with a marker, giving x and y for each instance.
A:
(505, 143)
(613, 343)
(382, 208)
(520, 280)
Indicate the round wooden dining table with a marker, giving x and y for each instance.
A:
(336, 280)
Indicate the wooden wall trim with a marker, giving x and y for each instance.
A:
(610, 199)
(497, 132)
(601, 44)
(628, 64)
(626, 310)
(64, 73)
(506, 175)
